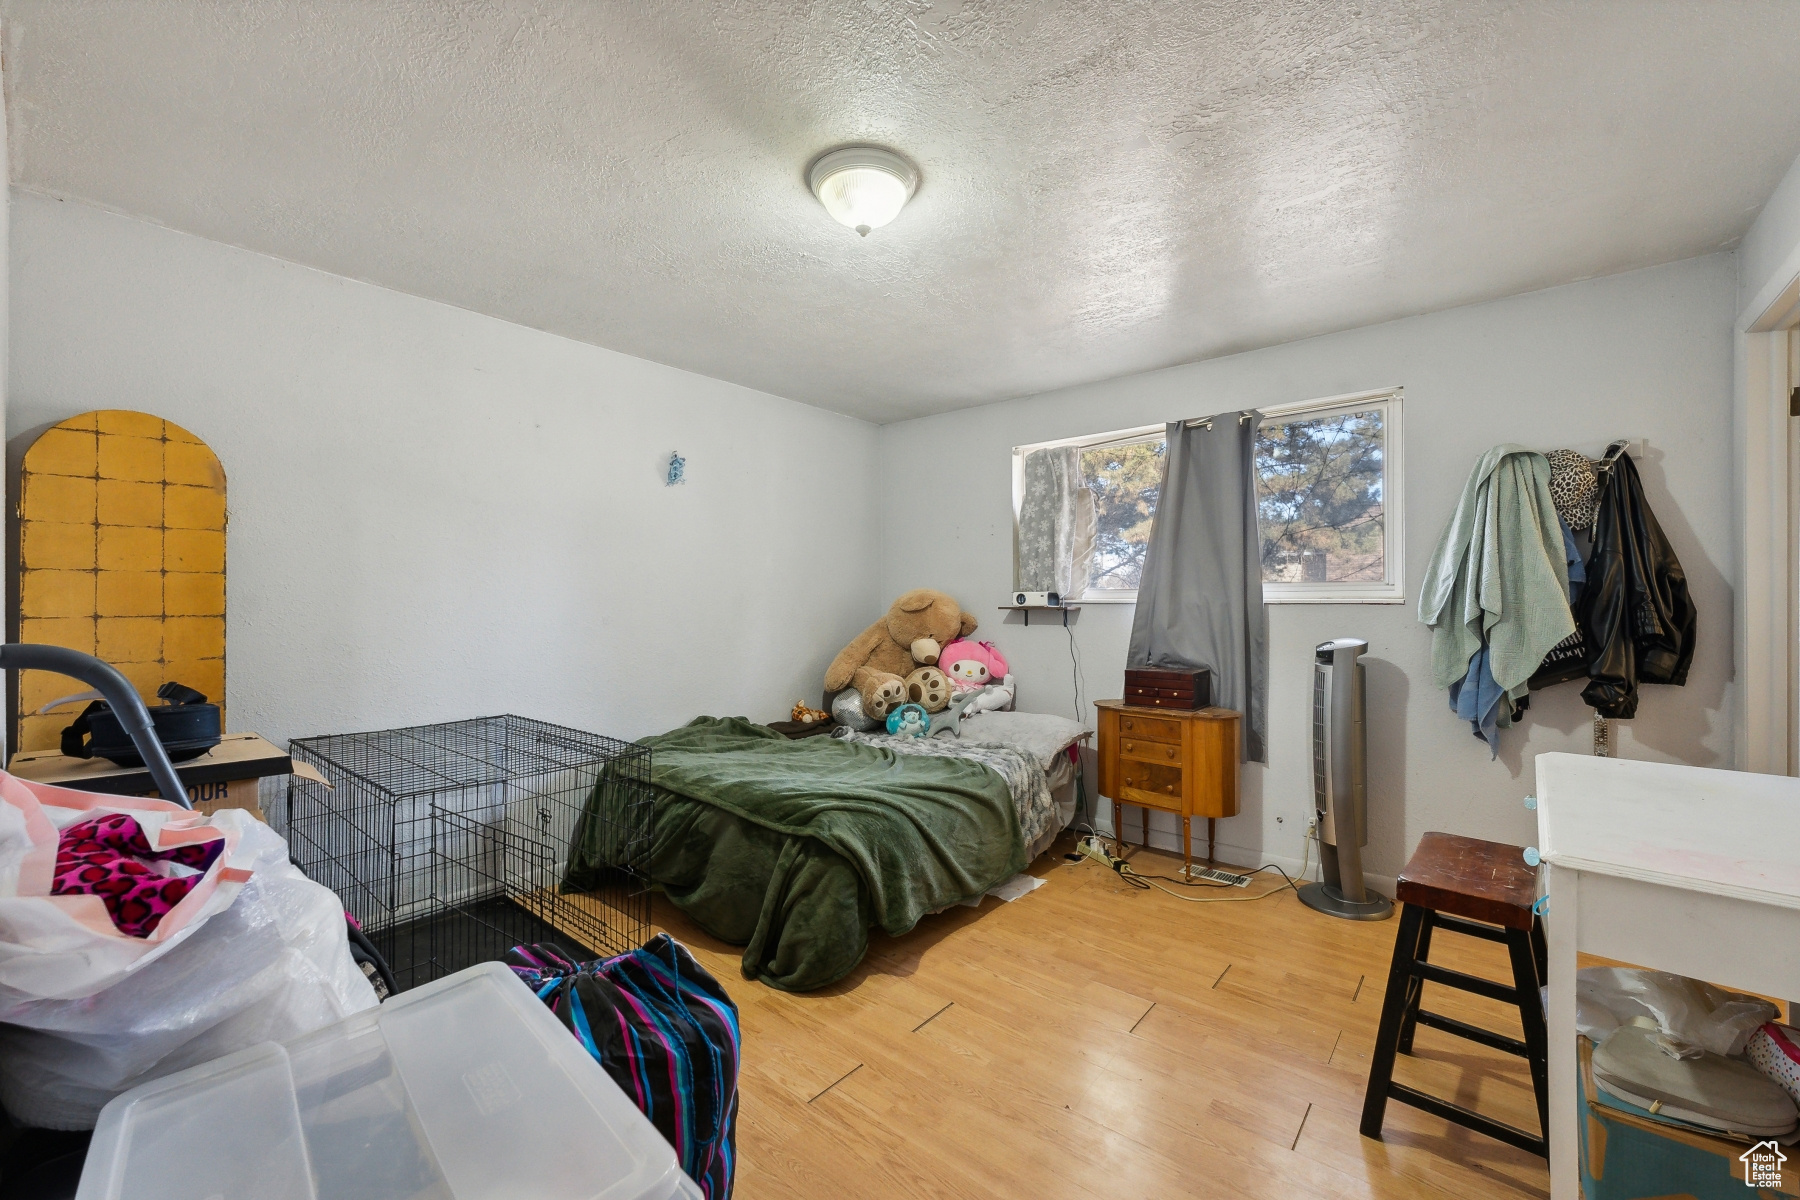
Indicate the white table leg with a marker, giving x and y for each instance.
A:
(1561, 931)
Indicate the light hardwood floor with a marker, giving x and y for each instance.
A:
(1092, 1040)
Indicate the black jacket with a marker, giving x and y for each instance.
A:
(1634, 613)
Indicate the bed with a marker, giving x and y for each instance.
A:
(796, 849)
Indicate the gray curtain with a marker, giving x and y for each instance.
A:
(1056, 525)
(1200, 598)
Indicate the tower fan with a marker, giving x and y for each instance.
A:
(1340, 785)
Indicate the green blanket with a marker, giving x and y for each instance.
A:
(794, 849)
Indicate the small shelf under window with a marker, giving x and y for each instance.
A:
(1028, 609)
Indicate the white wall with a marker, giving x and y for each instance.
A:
(1645, 354)
(437, 514)
(1767, 255)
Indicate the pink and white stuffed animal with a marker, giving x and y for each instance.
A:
(971, 665)
(980, 669)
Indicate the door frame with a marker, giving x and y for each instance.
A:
(1766, 629)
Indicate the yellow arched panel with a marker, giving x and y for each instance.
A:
(121, 555)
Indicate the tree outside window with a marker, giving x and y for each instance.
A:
(1124, 480)
(1328, 476)
(1319, 482)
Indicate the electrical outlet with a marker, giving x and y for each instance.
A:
(1312, 827)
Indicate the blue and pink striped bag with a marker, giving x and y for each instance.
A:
(666, 1032)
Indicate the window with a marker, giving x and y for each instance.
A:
(1124, 477)
(1328, 505)
(1116, 476)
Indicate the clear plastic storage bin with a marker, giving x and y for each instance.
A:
(464, 1089)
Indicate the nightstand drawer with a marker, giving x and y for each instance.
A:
(1150, 729)
(1155, 784)
(1154, 752)
(1148, 799)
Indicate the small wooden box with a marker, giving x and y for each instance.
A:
(1153, 688)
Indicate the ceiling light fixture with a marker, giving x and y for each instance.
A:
(863, 187)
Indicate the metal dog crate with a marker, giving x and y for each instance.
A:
(450, 843)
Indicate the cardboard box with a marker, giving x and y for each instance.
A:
(228, 793)
(223, 777)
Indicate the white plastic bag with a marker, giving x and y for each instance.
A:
(255, 952)
(1687, 1012)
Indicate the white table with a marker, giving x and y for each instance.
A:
(1684, 869)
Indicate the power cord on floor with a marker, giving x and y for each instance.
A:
(1090, 847)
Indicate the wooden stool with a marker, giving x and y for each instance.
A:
(1449, 879)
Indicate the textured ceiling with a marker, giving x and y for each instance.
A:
(1108, 185)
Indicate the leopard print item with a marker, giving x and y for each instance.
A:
(1574, 488)
(108, 857)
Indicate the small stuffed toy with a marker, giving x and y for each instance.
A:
(995, 697)
(808, 716)
(949, 722)
(909, 720)
(972, 665)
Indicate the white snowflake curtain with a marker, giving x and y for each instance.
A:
(1056, 524)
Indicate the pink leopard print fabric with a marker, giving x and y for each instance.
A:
(108, 857)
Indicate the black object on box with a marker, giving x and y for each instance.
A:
(187, 727)
(1149, 687)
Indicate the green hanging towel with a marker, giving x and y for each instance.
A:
(1498, 571)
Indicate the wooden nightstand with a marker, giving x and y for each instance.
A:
(1181, 761)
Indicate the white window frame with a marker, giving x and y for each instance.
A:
(1392, 589)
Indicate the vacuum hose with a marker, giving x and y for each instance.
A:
(18, 656)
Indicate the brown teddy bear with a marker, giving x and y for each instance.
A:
(890, 658)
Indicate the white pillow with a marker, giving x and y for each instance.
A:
(1041, 735)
